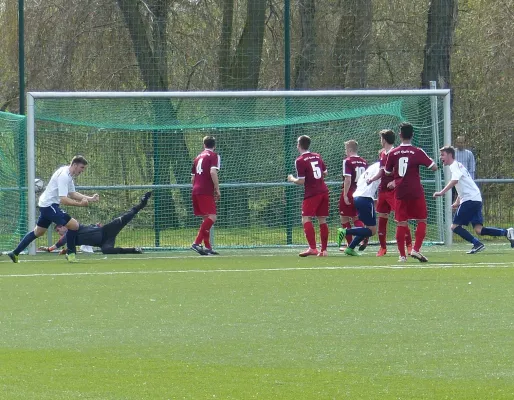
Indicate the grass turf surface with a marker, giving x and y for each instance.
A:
(258, 325)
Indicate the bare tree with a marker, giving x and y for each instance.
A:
(147, 26)
(240, 70)
(442, 18)
(305, 59)
(351, 46)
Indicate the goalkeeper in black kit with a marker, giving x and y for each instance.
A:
(103, 236)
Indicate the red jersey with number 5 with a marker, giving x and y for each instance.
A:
(404, 161)
(201, 170)
(310, 166)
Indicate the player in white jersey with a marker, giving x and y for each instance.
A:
(60, 190)
(468, 203)
(364, 198)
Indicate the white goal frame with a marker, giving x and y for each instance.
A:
(444, 219)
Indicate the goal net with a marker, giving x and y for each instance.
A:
(147, 141)
(13, 190)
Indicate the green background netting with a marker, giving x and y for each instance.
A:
(13, 198)
(136, 143)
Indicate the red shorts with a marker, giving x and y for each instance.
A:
(410, 209)
(315, 206)
(346, 210)
(204, 204)
(385, 202)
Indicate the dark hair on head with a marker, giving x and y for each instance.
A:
(387, 135)
(305, 142)
(209, 142)
(406, 130)
(448, 150)
(78, 159)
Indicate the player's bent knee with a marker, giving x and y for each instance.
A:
(39, 231)
(72, 224)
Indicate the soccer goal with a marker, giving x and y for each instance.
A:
(146, 141)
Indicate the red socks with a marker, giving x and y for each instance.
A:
(382, 231)
(401, 231)
(308, 228)
(349, 238)
(323, 232)
(204, 233)
(421, 232)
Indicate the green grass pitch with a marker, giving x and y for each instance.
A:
(259, 324)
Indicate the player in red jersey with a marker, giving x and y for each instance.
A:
(385, 202)
(410, 204)
(353, 167)
(206, 191)
(310, 172)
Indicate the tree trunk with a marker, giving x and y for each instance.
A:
(238, 71)
(225, 41)
(442, 18)
(305, 61)
(147, 27)
(351, 46)
(246, 62)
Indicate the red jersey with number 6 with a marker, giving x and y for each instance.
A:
(405, 161)
(310, 166)
(201, 170)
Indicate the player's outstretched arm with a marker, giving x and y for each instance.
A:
(296, 181)
(68, 201)
(378, 176)
(79, 197)
(446, 188)
(61, 242)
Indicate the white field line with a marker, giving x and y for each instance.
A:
(312, 268)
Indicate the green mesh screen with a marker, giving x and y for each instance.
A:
(134, 144)
(13, 191)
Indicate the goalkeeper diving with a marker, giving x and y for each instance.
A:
(103, 236)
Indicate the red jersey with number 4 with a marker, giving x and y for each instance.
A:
(354, 167)
(310, 166)
(201, 170)
(405, 161)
